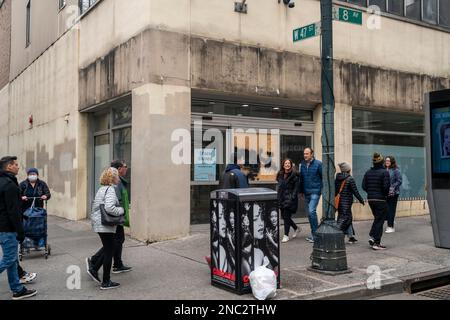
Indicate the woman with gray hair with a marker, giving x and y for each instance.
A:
(105, 195)
(346, 188)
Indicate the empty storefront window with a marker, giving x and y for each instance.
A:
(394, 134)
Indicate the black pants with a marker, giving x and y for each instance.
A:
(379, 211)
(107, 256)
(119, 239)
(392, 209)
(20, 271)
(288, 222)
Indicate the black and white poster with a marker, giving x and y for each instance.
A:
(260, 232)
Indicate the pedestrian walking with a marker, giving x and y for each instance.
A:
(33, 191)
(376, 183)
(121, 190)
(394, 191)
(288, 183)
(346, 189)
(311, 188)
(105, 195)
(11, 228)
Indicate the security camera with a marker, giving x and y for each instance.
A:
(289, 3)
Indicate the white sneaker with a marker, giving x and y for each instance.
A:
(390, 230)
(285, 239)
(29, 277)
(296, 232)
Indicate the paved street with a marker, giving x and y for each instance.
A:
(176, 269)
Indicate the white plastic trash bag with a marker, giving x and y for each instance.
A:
(264, 283)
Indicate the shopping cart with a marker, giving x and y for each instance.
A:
(35, 229)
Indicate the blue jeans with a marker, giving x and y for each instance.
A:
(9, 261)
(311, 203)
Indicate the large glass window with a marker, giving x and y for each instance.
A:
(413, 9)
(112, 138)
(392, 134)
(444, 13)
(360, 2)
(379, 3)
(430, 11)
(396, 7)
(250, 110)
(232, 127)
(85, 5)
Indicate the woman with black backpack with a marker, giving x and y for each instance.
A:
(288, 183)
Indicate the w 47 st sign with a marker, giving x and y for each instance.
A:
(306, 32)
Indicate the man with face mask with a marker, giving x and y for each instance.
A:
(32, 187)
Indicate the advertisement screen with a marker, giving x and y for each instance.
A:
(440, 140)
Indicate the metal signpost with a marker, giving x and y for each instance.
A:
(329, 254)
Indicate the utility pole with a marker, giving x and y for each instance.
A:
(329, 255)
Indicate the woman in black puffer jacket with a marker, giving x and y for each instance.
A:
(288, 182)
(345, 181)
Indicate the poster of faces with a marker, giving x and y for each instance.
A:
(223, 239)
(260, 237)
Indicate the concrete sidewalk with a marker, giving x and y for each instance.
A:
(176, 269)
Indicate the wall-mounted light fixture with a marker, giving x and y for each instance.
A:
(30, 120)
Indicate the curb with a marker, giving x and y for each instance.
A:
(358, 292)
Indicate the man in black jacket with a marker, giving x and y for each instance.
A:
(376, 183)
(11, 229)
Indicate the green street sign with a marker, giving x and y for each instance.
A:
(347, 15)
(306, 32)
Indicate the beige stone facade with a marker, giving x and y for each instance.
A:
(5, 42)
(160, 52)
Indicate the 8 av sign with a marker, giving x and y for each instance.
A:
(347, 15)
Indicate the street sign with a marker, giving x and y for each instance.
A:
(347, 15)
(306, 32)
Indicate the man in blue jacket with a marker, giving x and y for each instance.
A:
(311, 188)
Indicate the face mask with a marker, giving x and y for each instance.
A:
(32, 178)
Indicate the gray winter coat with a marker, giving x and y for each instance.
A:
(111, 205)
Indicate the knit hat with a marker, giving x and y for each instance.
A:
(377, 158)
(345, 167)
(33, 170)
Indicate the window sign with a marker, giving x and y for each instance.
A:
(205, 161)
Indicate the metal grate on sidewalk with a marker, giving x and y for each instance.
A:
(440, 293)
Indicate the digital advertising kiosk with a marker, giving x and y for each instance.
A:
(437, 128)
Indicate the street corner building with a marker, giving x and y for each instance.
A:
(85, 82)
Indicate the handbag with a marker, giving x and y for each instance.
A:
(110, 219)
(337, 199)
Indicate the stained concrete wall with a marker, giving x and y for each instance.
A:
(48, 23)
(56, 142)
(161, 197)
(4, 126)
(5, 42)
